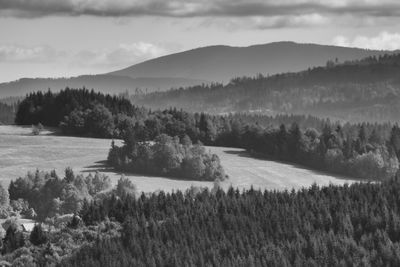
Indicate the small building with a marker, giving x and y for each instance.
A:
(27, 227)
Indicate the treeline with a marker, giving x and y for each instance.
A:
(276, 120)
(364, 154)
(366, 90)
(357, 225)
(82, 112)
(51, 108)
(7, 113)
(166, 156)
(367, 150)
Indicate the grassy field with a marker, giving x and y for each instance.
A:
(21, 152)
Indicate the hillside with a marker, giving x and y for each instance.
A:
(367, 89)
(197, 66)
(221, 63)
(103, 83)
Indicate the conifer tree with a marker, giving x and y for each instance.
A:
(38, 236)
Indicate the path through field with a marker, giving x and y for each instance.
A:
(21, 152)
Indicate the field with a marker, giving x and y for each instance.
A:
(21, 152)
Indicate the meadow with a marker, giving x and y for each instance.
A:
(20, 152)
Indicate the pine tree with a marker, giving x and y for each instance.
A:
(14, 239)
(75, 222)
(38, 236)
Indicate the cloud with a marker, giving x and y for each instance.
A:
(383, 41)
(289, 21)
(18, 53)
(261, 23)
(104, 59)
(199, 8)
(120, 56)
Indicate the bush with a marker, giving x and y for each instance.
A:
(35, 130)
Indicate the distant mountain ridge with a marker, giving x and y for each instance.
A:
(361, 90)
(222, 63)
(198, 66)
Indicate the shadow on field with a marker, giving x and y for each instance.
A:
(242, 153)
(99, 166)
(246, 154)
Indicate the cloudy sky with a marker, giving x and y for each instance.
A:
(59, 38)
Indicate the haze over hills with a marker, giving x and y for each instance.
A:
(361, 90)
(104, 83)
(197, 66)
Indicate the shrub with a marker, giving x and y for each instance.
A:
(35, 130)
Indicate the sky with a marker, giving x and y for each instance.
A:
(63, 38)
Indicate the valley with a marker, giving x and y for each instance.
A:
(199, 133)
(21, 152)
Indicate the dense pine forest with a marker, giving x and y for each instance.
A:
(357, 91)
(351, 225)
(330, 226)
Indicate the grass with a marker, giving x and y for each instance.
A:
(21, 152)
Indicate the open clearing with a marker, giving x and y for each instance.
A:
(21, 152)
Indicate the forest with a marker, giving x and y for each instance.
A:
(351, 225)
(365, 150)
(50, 108)
(356, 91)
(7, 113)
(53, 204)
(330, 226)
(48, 194)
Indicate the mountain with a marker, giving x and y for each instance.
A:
(110, 84)
(197, 66)
(361, 90)
(222, 63)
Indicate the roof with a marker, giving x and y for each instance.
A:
(28, 227)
